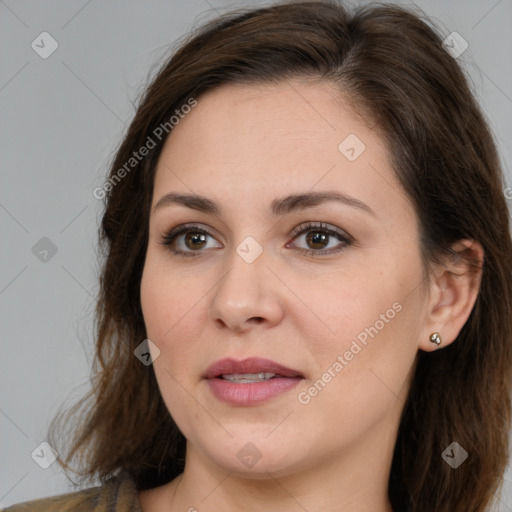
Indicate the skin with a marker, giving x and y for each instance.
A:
(244, 146)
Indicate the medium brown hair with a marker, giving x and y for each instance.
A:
(391, 63)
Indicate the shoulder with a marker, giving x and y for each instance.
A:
(117, 494)
(73, 501)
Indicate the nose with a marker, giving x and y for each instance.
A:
(247, 295)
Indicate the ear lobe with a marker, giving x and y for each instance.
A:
(453, 292)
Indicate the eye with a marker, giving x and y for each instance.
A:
(194, 239)
(319, 236)
(190, 239)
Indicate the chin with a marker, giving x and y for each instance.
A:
(254, 456)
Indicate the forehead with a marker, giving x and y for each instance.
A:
(293, 136)
(270, 116)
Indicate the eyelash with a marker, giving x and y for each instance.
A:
(169, 238)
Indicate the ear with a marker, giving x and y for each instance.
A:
(453, 290)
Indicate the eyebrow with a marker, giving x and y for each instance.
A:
(280, 206)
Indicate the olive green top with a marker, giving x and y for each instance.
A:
(117, 494)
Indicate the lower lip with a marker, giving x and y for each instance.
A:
(251, 393)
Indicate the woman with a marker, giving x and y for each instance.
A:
(306, 294)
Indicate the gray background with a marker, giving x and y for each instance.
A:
(62, 118)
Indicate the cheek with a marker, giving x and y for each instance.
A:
(165, 317)
(373, 318)
(366, 370)
(352, 306)
(164, 300)
(170, 311)
(361, 378)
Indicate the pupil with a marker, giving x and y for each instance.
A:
(194, 237)
(317, 238)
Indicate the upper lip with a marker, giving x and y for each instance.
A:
(250, 365)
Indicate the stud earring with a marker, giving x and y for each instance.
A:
(435, 337)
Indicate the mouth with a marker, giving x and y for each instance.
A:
(254, 368)
(247, 378)
(250, 381)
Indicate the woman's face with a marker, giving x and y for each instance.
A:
(330, 289)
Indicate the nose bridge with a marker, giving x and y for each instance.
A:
(247, 289)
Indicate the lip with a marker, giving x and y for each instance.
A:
(249, 365)
(254, 393)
